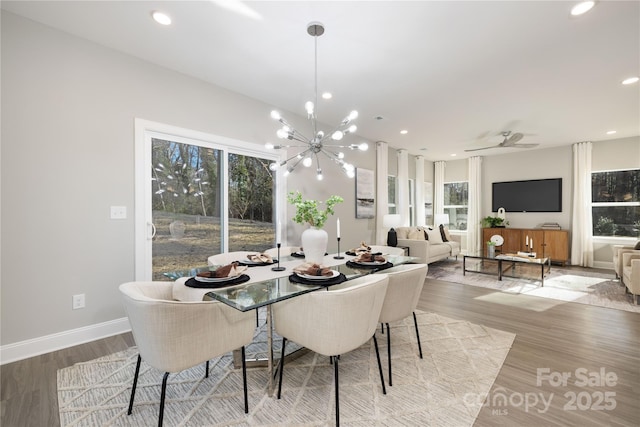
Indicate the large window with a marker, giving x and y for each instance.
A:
(615, 197)
(456, 201)
(392, 191)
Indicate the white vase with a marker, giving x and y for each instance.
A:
(314, 244)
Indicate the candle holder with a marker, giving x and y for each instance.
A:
(338, 256)
(278, 268)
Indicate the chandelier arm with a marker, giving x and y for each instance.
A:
(300, 155)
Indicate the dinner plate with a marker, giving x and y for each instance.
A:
(334, 273)
(299, 253)
(370, 262)
(215, 279)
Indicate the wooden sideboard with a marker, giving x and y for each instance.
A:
(553, 244)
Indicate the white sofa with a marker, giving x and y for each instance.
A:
(427, 250)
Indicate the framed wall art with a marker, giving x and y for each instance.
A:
(365, 193)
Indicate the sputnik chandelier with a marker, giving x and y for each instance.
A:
(321, 143)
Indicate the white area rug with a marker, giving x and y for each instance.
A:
(580, 285)
(460, 359)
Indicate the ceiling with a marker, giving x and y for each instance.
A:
(454, 74)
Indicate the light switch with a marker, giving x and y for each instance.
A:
(118, 212)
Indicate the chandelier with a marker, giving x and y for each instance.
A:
(321, 143)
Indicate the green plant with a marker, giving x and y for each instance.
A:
(307, 211)
(491, 243)
(494, 221)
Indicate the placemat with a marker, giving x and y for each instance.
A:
(193, 283)
(333, 281)
(384, 266)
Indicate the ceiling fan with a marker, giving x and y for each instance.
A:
(509, 141)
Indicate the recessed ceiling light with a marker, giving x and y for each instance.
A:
(404, 132)
(453, 155)
(611, 132)
(630, 80)
(582, 7)
(161, 18)
(327, 95)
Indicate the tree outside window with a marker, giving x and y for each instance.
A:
(456, 202)
(615, 201)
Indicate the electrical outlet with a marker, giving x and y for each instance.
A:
(118, 212)
(78, 301)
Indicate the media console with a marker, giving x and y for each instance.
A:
(552, 244)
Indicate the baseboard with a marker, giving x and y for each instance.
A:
(46, 344)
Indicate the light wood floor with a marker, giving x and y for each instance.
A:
(563, 337)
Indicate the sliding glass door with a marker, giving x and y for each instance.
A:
(200, 198)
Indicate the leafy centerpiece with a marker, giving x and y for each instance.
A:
(314, 239)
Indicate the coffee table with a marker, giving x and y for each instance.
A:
(510, 265)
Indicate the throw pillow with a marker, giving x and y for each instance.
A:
(637, 246)
(444, 232)
(434, 236)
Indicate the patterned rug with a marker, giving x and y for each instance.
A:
(461, 359)
(573, 284)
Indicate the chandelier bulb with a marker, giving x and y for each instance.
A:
(281, 133)
(351, 174)
(274, 166)
(363, 147)
(307, 161)
(319, 174)
(337, 135)
(275, 115)
(309, 107)
(353, 115)
(352, 128)
(341, 155)
(269, 146)
(320, 134)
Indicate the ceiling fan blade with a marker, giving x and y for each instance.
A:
(515, 137)
(524, 145)
(483, 148)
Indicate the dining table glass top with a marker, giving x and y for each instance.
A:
(258, 293)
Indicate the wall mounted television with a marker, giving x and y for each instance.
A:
(536, 195)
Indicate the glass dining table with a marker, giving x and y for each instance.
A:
(267, 287)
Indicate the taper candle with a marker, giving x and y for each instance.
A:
(279, 233)
(531, 243)
(526, 241)
(338, 228)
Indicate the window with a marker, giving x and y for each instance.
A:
(392, 190)
(615, 203)
(456, 200)
(411, 199)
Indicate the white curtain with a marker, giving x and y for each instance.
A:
(474, 210)
(382, 191)
(403, 186)
(419, 184)
(581, 238)
(438, 187)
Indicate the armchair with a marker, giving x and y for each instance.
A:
(631, 273)
(618, 250)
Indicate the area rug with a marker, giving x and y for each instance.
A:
(581, 285)
(461, 359)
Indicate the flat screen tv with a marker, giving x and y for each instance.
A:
(536, 195)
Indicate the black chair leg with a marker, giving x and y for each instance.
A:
(335, 378)
(382, 328)
(244, 382)
(162, 396)
(135, 383)
(257, 318)
(389, 353)
(415, 322)
(284, 343)
(375, 343)
(206, 372)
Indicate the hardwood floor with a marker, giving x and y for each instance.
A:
(563, 337)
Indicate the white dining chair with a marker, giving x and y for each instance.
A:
(332, 322)
(284, 251)
(405, 286)
(172, 336)
(226, 258)
(387, 250)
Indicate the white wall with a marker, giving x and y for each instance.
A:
(68, 110)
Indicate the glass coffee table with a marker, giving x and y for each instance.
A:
(507, 265)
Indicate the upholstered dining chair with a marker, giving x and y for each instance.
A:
(172, 336)
(229, 257)
(284, 251)
(405, 286)
(389, 250)
(332, 322)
